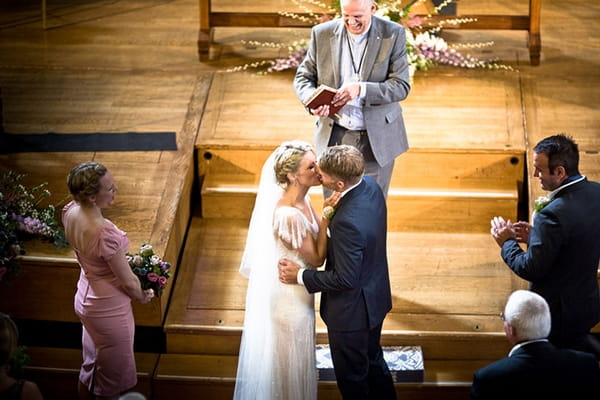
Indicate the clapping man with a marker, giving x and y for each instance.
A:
(563, 244)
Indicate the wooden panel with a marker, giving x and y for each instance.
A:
(408, 210)
(45, 293)
(453, 168)
(213, 377)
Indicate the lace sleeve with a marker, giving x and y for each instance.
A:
(289, 226)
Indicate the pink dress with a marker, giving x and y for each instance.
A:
(105, 311)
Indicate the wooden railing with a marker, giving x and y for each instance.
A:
(529, 23)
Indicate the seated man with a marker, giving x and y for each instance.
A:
(534, 367)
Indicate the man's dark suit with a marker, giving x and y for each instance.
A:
(561, 262)
(356, 292)
(539, 370)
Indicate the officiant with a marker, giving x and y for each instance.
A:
(364, 57)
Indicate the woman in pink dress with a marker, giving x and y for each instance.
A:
(106, 285)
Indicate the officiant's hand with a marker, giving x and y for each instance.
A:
(322, 111)
(346, 93)
(288, 271)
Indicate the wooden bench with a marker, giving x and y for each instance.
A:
(210, 19)
(56, 371)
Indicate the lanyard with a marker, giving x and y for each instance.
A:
(362, 56)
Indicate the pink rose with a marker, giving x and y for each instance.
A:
(152, 277)
(162, 281)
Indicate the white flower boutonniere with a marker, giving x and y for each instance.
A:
(540, 203)
(328, 212)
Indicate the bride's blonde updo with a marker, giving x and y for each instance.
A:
(287, 159)
(84, 180)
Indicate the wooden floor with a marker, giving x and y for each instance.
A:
(133, 66)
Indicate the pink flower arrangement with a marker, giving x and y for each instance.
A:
(23, 217)
(150, 269)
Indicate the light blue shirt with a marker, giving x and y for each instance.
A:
(351, 115)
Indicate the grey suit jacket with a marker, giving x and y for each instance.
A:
(385, 72)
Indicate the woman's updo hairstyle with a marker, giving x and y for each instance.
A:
(84, 180)
(287, 159)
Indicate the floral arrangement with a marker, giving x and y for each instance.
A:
(23, 218)
(425, 48)
(540, 203)
(150, 269)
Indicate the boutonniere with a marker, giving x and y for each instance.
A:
(328, 212)
(540, 203)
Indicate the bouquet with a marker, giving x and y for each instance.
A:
(150, 269)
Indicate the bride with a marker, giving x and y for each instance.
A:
(277, 351)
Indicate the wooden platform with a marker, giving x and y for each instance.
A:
(443, 193)
(133, 66)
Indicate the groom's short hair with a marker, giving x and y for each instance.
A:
(343, 162)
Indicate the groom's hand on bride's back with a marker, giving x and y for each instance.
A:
(288, 271)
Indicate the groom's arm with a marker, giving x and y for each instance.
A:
(347, 245)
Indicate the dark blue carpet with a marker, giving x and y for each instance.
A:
(66, 142)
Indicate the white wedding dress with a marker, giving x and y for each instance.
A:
(277, 351)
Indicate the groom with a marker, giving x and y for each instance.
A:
(355, 284)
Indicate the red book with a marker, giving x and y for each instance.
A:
(322, 96)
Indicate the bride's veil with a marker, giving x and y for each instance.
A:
(259, 265)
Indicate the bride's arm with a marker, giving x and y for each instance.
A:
(314, 250)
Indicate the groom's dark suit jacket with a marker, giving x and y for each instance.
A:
(561, 262)
(539, 370)
(355, 285)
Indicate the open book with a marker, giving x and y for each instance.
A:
(322, 96)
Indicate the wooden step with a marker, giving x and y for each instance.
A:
(443, 168)
(409, 209)
(213, 377)
(446, 288)
(437, 190)
(56, 371)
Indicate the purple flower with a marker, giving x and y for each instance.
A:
(152, 277)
